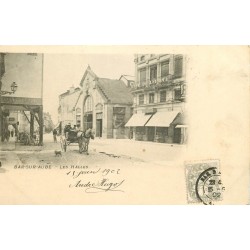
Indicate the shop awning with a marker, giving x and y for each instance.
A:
(162, 119)
(138, 120)
(181, 126)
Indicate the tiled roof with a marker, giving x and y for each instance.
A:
(115, 91)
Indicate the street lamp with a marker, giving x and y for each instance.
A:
(13, 88)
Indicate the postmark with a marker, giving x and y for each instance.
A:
(203, 180)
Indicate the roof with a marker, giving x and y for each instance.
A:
(68, 92)
(88, 70)
(115, 91)
(128, 77)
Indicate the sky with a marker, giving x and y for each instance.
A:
(61, 71)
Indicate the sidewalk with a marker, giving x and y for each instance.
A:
(7, 157)
(8, 146)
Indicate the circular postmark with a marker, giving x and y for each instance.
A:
(209, 187)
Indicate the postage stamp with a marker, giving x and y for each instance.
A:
(203, 180)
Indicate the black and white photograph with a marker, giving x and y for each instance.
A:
(112, 128)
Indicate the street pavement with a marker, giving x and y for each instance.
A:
(35, 175)
(100, 151)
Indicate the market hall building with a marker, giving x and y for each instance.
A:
(99, 103)
(159, 96)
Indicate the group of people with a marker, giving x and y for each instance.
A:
(67, 129)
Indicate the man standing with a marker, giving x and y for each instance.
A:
(10, 130)
(54, 135)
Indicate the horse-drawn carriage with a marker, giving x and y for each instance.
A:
(79, 137)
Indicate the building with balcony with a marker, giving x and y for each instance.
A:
(99, 103)
(159, 95)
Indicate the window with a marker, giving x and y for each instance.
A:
(141, 99)
(142, 58)
(183, 90)
(178, 67)
(153, 72)
(88, 105)
(151, 98)
(165, 69)
(177, 94)
(163, 96)
(142, 76)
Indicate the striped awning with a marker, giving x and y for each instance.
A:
(138, 120)
(162, 119)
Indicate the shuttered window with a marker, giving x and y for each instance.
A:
(151, 98)
(177, 94)
(142, 76)
(165, 69)
(178, 67)
(153, 72)
(163, 96)
(141, 99)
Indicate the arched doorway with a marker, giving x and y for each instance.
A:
(88, 113)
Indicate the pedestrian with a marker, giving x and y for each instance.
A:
(54, 135)
(67, 129)
(11, 130)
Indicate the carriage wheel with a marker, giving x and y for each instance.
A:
(81, 148)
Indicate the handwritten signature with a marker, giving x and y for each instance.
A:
(101, 186)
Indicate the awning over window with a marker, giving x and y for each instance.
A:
(138, 120)
(181, 126)
(162, 119)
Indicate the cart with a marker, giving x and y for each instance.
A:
(73, 137)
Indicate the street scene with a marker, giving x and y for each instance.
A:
(89, 123)
(139, 115)
(108, 129)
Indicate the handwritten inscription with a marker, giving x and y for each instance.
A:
(92, 180)
(106, 180)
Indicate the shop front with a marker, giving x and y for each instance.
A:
(137, 122)
(162, 127)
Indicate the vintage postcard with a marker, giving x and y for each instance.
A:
(124, 125)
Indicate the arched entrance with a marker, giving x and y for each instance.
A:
(88, 113)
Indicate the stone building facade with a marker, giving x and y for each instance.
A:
(99, 103)
(159, 95)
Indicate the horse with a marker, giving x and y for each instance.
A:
(83, 140)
